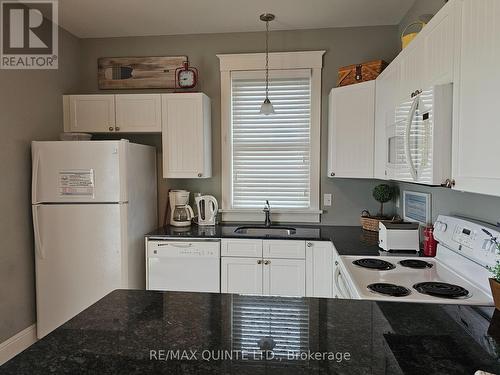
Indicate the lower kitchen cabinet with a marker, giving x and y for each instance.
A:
(241, 275)
(319, 269)
(284, 277)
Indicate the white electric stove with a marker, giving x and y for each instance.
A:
(457, 275)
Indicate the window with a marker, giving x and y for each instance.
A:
(271, 154)
(274, 157)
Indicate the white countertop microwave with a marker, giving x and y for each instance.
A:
(419, 140)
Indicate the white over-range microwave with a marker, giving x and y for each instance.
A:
(419, 140)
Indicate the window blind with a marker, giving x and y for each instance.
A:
(286, 321)
(271, 154)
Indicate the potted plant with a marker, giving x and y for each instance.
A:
(382, 193)
(495, 280)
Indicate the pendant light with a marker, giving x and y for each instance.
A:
(267, 107)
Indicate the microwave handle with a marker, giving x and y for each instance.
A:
(409, 160)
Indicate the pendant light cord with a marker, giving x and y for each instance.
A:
(267, 59)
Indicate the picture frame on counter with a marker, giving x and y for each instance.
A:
(417, 207)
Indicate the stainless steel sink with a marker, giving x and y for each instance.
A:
(265, 231)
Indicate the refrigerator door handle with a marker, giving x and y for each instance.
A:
(34, 177)
(38, 239)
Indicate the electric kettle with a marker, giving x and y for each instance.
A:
(207, 207)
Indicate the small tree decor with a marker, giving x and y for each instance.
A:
(495, 280)
(383, 193)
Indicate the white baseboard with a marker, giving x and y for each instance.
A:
(17, 343)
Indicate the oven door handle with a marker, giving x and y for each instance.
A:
(344, 294)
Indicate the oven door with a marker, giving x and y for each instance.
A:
(341, 288)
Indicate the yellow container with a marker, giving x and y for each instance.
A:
(407, 38)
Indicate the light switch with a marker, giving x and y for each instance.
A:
(327, 200)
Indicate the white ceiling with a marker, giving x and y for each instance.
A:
(114, 18)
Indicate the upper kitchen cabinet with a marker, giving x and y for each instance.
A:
(411, 65)
(89, 113)
(476, 132)
(127, 113)
(385, 102)
(439, 40)
(186, 135)
(351, 130)
(138, 113)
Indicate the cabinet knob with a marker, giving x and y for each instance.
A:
(332, 174)
(266, 262)
(117, 128)
(259, 261)
(309, 244)
(448, 183)
(200, 174)
(111, 128)
(336, 263)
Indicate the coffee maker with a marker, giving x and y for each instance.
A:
(181, 212)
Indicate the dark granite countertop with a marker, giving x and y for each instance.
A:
(348, 240)
(145, 332)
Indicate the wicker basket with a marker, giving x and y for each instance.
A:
(357, 73)
(370, 222)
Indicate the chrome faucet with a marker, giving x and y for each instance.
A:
(267, 211)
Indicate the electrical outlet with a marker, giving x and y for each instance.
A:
(327, 200)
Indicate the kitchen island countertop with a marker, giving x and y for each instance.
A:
(145, 332)
(348, 240)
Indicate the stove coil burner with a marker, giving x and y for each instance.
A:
(374, 264)
(389, 289)
(443, 290)
(415, 263)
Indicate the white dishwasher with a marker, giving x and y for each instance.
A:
(186, 266)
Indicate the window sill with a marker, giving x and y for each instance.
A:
(286, 216)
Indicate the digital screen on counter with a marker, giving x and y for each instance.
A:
(466, 231)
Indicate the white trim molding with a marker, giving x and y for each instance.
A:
(312, 60)
(17, 343)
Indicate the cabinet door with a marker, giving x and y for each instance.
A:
(90, 113)
(287, 249)
(351, 131)
(241, 275)
(235, 247)
(476, 132)
(411, 69)
(387, 85)
(319, 269)
(284, 277)
(138, 113)
(439, 46)
(186, 135)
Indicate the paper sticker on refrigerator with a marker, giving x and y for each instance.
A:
(76, 182)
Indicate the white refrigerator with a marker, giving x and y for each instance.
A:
(92, 201)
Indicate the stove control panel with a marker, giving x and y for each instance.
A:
(472, 239)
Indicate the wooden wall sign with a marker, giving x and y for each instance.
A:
(138, 72)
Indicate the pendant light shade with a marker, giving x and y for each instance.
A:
(267, 107)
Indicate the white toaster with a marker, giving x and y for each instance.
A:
(399, 236)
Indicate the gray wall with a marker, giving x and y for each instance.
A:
(344, 46)
(451, 202)
(30, 109)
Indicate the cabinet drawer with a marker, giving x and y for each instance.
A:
(285, 249)
(241, 248)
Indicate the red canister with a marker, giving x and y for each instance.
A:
(430, 243)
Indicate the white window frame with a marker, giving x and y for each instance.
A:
(312, 60)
